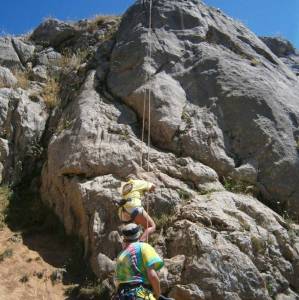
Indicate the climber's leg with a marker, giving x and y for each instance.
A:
(142, 218)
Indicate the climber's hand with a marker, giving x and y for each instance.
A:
(152, 189)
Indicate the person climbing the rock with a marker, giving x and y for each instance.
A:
(136, 268)
(131, 209)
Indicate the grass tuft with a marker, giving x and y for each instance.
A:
(63, 124)
(254, 62)
(23, 79)
(290, 225)
(5, 195)
(183, 194)
(239, 187)
(51, 93)
(73, 60)
(258, 244)
(99, 20)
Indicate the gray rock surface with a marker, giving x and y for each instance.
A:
(22, 123)
(279, 46)
(285, 51)
(223, 108)
(7, 79)
(8, 55)
(100, 132)
(53, 32)
(39, 73)
(48, 57)
(231, 246)
(24, 50)
(229, 92)
(4, 154)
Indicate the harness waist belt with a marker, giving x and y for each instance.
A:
(123, 286)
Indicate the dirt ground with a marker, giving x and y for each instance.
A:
(28, 266)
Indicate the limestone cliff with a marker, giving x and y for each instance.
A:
(225, 113)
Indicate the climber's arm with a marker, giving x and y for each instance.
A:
(155, 282)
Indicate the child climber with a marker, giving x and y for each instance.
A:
(131, 209)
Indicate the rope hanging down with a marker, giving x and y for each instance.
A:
(147, 96)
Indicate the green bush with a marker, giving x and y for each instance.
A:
(183, 194)
(237, 186)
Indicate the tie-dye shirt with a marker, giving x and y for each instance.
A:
(133, 262)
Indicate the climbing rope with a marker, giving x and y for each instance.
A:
(147, 96)
(147, 92)
(149, 106)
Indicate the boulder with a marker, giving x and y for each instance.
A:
(8, 55)
(187, 292)
(285, 51)
(39, 73)
(53, 32)
(279, 46)
(48, 57)
(24, 50)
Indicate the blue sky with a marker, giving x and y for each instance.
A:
(264, 17)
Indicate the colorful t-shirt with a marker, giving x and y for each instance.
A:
(133, 262)
(137, 190)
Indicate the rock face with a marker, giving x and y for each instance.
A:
(231, 246)
(7, 79)
(230, 92)
(8, 55)
(224, 115)
(285, 51)
(24, 50)
(279, 46)
(101, 133)
(22, 123)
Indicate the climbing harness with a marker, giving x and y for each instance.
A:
(124, 212)
(134, 292)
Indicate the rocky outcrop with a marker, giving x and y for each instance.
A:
(279, 46)
(101, 132)
(24, 50)
(285, 51)
(48, 57)
(230, 247)
(53, 32)
(224, 113)
(230, 92)
(8, 55)
(22, 124)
